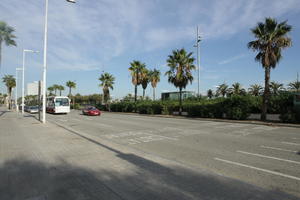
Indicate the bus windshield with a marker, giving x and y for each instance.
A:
(61, 102)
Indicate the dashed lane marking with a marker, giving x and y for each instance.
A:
(259, 169)
(279, 149)
(270, 157)
(291, 143)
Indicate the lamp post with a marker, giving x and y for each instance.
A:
(197, 45)
(23, 75)
(45, 59)
(16, 91)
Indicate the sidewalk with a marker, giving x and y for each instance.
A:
(39, 162)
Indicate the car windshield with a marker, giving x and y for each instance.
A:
(34, 107)
(92, 108)
(61, 102)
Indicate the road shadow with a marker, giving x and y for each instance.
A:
(3, 112)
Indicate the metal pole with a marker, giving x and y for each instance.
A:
(16, 92)
(23, 82)
(197, 40)
(45, 63)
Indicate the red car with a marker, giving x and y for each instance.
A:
(91, 111)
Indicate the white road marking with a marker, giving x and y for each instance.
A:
(279, 149)
(259, 169)
(263, 156)
(296, 138)
(290, 143)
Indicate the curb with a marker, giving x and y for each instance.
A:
(254, 122)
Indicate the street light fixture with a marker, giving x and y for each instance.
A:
(16, 91)
(23, 75)
(45, 59)
(197, 45)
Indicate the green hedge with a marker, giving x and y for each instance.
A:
(234, 107)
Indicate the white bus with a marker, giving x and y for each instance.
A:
(58, 104)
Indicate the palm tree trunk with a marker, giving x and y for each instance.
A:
(69, 91)
(9, 99)
(135, 97)
(59, 92)
(143, 93)
(265, 102)
(180, 101)
(153, 93)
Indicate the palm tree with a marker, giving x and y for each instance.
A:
(294, 86)
(55, 87)
(237, 89)
(107, 82)
(136, 70)
(270, 40)
(7, 36)
(222, 90)
(210, 93)
(50, 89)
(180, 65)
(60, 88)
(145, 79)
(255, 90)
(154, 79)
(276, 87)
(70, 85)
(10, 83)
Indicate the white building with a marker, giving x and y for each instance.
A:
(33, 88)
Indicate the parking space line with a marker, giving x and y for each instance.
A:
(263, 156)
(290, 143)
(259, 169)
(279, 149)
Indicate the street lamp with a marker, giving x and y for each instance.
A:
(197, 45)
(23, 75)
(45, 59)
(16, 92)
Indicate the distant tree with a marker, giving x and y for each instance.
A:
(55, 87)
(222, 90)
(180, 65)
(276, 87)
(210, 93)
(271, 39)
(50, 89)
(7, 36)
(154, 79)
(237, 89)
(107, 82)
(255, 90)
(294, 86)
(60, 88)
(10, 83)
(70, 85)
(135, 69)
(145, 79)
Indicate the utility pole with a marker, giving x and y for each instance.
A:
(197, 45)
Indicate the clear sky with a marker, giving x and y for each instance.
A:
(92, 36)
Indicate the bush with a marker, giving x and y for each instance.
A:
(149, 107)
(237, 107)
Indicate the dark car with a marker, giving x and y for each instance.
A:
(91, 111)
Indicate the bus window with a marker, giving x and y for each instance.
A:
(61, 102)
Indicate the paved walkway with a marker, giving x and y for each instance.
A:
(39, 162)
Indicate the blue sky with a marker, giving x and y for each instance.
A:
(92, 36)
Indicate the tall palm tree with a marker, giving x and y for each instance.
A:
(7, 36)
(255, 90)
(154, 79)
(237, 89)
(276, 87)
(107, 82)
(55, 87)
(70, 85)
(60, 88)
(210, 93)
(180, 65)
(145, 79)
(222, 90)
(294, 86)
(10, 83)
(271, 39)
(136, 68)
(50, 89)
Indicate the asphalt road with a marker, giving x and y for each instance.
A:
(265, 156)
